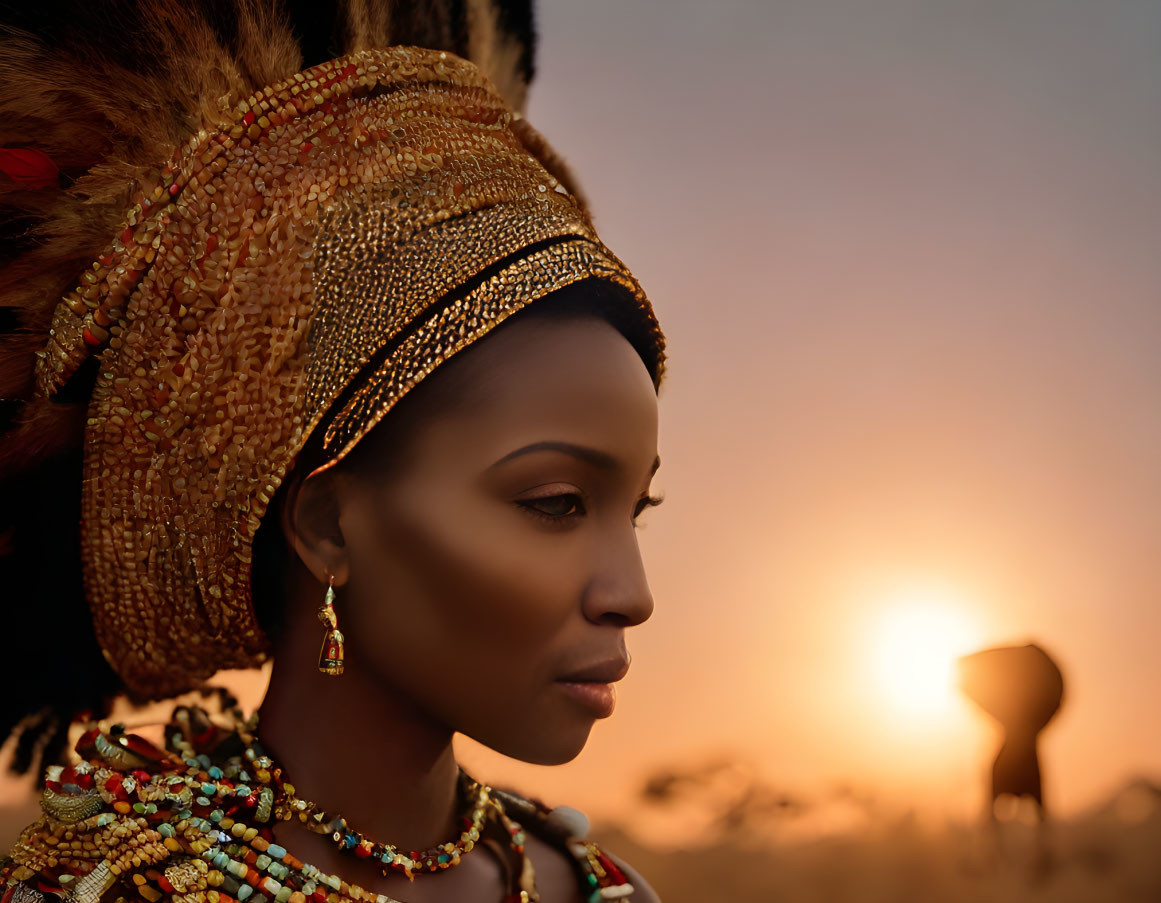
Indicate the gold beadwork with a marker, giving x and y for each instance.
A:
(289, 277)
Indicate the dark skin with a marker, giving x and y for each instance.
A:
(466, 589)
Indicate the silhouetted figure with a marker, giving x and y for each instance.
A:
(1021, 687)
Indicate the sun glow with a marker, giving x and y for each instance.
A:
(914, 646)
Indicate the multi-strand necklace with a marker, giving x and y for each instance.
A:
(199, 818)
(258, 784)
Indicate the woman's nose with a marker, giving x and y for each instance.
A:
(619, 592)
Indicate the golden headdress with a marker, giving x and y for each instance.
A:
(251, 256)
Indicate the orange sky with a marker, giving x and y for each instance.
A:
(907, 256)
(907, 261)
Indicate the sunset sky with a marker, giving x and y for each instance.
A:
(907, 256)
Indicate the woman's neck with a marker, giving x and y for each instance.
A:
(357, 750)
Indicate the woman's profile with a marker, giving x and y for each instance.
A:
(314, 342)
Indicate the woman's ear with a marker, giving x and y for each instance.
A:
(310, 524)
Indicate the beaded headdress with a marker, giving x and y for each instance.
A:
(308, 254)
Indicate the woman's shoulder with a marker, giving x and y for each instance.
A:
(559, 839)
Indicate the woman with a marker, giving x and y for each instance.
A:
(286, 414)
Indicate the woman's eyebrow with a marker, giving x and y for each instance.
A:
(594, 456)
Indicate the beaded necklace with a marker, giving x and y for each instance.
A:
(177, 826)
(287, 806)
(289, 879)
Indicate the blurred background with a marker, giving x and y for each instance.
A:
(907, 256)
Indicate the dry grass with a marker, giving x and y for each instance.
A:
(1111, 854)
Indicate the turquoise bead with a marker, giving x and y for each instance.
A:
(166, 830)
(244, 891)
(274, 851)
(216, 773)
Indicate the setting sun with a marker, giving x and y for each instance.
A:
(914, 646)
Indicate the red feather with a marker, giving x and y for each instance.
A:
(30, 167)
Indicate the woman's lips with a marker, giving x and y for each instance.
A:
(599, 698)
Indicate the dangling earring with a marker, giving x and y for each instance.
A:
(330, 657)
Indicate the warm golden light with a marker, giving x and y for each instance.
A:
(914, 646)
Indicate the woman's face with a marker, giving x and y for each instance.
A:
(497, 557)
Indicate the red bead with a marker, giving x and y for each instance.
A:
(248, 119)
(615, 873)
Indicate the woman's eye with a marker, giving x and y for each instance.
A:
(554, 508)
(560, 509)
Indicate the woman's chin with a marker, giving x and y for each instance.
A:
(542, 742)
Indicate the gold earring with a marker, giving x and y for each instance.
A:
(330, 657)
